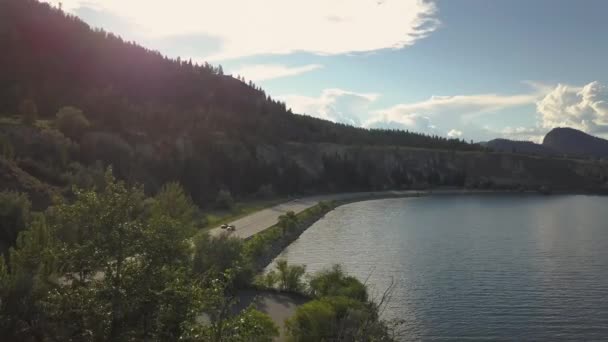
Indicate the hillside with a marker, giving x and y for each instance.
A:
(514, 146)
(157, 120)
(573, 142)
(57, 60)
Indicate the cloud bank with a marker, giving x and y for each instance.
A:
(335, 105)
(442, 115)
(247, 28)
(581, 107)
(584, 108)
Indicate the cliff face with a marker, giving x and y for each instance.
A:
(395, 167)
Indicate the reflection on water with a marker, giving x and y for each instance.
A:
(489, 267)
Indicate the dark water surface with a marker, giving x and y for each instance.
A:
(478, 267)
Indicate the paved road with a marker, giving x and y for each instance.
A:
(266, 218)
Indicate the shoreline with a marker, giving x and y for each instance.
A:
(278, 246)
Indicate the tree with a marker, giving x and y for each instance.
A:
(72, 122)
(287, 222)
(224, 200)
(14, 217)
(173, 201)
(28, 111)
(290, 276)
(248, 325)
(25, 279)
(312, 322)
(218, 254)
(124, 272)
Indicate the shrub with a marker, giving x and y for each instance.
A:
(72, 122)
(334, 282)
(313, 321)
(218, 254)
(14, 216)
(289, 277)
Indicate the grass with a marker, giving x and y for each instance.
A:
(242, 209)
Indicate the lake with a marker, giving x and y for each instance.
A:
(475, 267)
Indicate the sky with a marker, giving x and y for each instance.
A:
(471, 69)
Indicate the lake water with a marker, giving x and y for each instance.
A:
(475, 267)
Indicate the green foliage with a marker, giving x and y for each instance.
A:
(267, 280)
(6, 148)
(313, 321)
(118, 264)
(28, 111)
(24, 282)
(173, 201)
(218, 254)
(14, 217)
(249, 325)
(224, 200)
(340, 312)
(289, 277)
(222, 325)
(72, 122)
(288, 222)
(334, 282)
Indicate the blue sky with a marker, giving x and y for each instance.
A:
(475, 69)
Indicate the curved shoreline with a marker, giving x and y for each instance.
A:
(278, 246)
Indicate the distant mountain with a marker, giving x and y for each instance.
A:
(525, 147)
(573, 142)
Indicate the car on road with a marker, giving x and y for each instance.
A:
(231, 228)
(224, 226)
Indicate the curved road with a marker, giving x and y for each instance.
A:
(266, 218)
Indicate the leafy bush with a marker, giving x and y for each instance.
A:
(340, 312)
(14, 216)
(72, 122)
(218, 254)
(289, 277)
(334, 282)
(313, 321)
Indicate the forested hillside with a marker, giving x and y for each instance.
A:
(153, 118)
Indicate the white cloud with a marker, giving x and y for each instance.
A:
(584, 108)
(262, 72)
(248, 27)
(535, 134)
(469, 106)
(454, 133)
(455, 112)
(334, 104)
